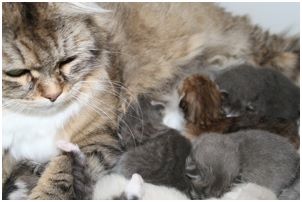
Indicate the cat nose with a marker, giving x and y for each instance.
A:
(51, 91)
(52, 96)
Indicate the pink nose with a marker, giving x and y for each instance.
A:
(52, 96)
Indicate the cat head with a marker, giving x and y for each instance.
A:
(52, 52)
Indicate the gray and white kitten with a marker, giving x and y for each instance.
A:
(261, 91)
(217, 161)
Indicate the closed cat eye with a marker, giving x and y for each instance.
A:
(17, 72)
(66, 61)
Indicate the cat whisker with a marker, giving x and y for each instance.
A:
(97, 109)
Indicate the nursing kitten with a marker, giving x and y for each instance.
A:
(202, 102)
(160, 161)
(212, 166)
(260, 91)
(259, 157)
(141, 122)
(115, 186)
(248, 191)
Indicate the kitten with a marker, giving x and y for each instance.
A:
(160, 161)
(115, 186)
(202, 102)
(260, 91)
(259, 157)
(248, 191)
(141, 122)
(213, 165)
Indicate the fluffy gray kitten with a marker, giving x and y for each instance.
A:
(160, 161)
(141, 122)
(263, 91)
(260, 157)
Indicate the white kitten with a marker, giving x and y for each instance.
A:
(248, 191)
(113, 185)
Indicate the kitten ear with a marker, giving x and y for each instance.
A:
(192, 170)
(76, 8)
(224, 94)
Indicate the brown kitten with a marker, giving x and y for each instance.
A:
(202, 106)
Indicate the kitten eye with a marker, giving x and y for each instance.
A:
(17, 72)
(66, 61)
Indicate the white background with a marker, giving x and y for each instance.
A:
(277, 17)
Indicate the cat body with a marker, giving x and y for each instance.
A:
(35, 126)
(261, 158)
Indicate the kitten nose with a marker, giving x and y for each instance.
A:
(52, 96)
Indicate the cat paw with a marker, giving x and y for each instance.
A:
(67, 146)
(134, 189)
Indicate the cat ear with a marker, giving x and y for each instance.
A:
(192, 170)
(76, 8)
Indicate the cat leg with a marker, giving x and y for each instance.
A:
(65, 177)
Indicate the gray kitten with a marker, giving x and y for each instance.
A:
(212, 165)
(292, 192)
(160, 161)
(260, 157)
(261, 91)
(141, 122)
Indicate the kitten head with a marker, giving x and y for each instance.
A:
(49, 58)
(208, 166)
(201, 101)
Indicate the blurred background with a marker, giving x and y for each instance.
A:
(277, 17)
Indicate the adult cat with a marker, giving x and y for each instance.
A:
(61, 61)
